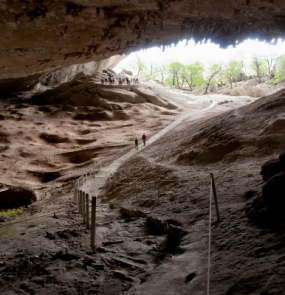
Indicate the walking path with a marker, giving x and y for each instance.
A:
(92, 187)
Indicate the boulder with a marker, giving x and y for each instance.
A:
(153, 97)
(282, 157)
(213, 88)
(118, 95)
(240, 77)
(274, 189)
(267, 208)
(252, 82)
(130, 73)
(16, 197)
(272, 168)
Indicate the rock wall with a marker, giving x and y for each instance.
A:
(44, 35)
(41, 82)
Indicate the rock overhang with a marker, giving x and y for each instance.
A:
(43, 35)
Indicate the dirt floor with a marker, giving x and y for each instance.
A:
(153, 212)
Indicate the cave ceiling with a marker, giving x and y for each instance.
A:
(38, 36)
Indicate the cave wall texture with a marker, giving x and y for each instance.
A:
(40, 36)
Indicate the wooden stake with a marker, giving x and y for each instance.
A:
(83, 206)
(93, 220)
(87, 211)
(158, 189)
(215, 196)
(80, 202)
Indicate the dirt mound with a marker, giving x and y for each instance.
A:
(213, 149)
(16, 197)
(227, 138)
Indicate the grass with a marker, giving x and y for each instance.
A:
(6, 232)
(10, 213)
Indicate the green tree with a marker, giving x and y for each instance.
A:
(173, 69)
(160, 71)
(192, 74)
(140, 65)
(221, 77)
(232, 69)
(280, 72)
(270, 59)
(258, 66)
(211, 76)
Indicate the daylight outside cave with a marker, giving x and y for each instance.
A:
(142, 147)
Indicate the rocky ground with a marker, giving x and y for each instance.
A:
(144, 246)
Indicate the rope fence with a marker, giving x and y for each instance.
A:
(83, 202)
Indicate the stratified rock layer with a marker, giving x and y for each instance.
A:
(41, 36)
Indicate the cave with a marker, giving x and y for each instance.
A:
(57, 118)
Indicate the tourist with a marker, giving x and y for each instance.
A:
(144, 139)
(137, 144)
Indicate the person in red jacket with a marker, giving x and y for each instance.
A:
(144, 139)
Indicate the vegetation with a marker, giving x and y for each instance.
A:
(173, 71)
(192, 73)
(140, 65)
(196, 76)
(10, 213)
(232, 70)
(212, 76)
(258, 66)
(280, 72)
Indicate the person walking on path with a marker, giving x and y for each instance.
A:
(144, 139)
(137, 144)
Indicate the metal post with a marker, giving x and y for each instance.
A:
(93, 220)
(215, 197)
(83, 206)
(87, 210)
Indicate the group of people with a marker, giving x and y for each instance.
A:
(137, 142)
(128, 81)
(122, 81)
(110, 80)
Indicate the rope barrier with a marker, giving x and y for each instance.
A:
(209, 247)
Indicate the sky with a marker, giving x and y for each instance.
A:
(206, 53)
